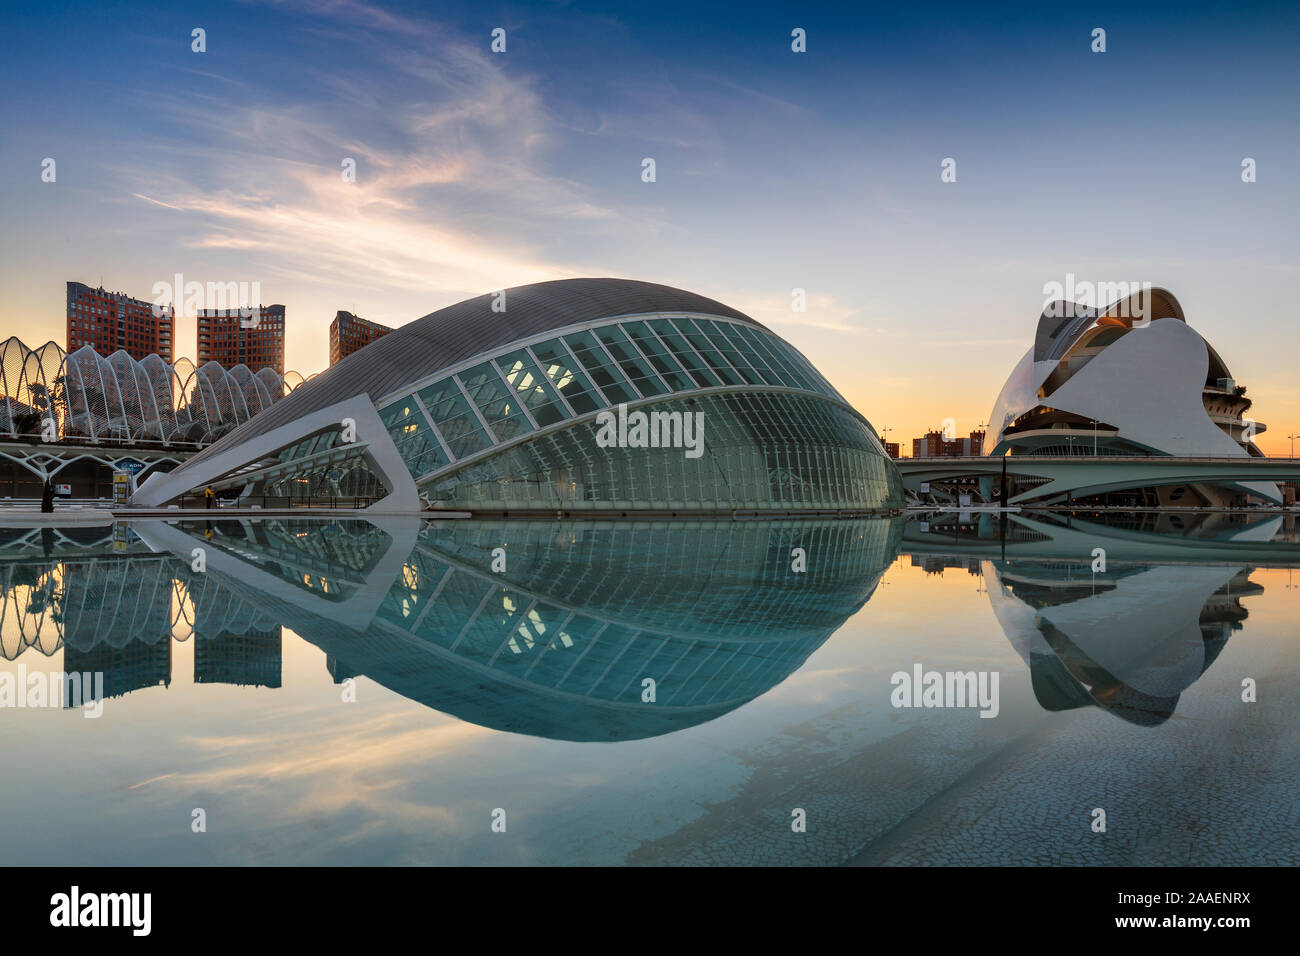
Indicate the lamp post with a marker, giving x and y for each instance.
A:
(1293, 438)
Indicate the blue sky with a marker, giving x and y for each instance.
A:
(775, 170)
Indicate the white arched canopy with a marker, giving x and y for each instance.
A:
(98, 398)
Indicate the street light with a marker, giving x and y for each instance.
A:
(1293, 438)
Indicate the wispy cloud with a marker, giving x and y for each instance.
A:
(452, 191)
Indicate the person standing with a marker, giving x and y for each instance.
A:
(208, 495)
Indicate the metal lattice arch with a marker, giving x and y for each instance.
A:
(118, 398)
(493, 404)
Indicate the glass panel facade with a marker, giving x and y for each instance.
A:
(664, 363)
(763, 449)
(747, 352)
(705, 349)
(456, 421)
(567, 378)
(775, 360)
(759, 451)
(534, 388)
(634, 367)
(499, 407)
(694, 364)
(729, 351)
(603, 370)
(414, 439)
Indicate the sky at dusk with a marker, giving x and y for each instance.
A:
(775, 170)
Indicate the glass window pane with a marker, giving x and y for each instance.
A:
(711, 355)
(568, 380)
(682, 351)
(454, 418)
(503, 412)
(753, 358)
(776, 359)
(442, 399)
(532, 387)
(662, 360)
(633, 366)
(607, 377)
(725, 346)
(414, 439)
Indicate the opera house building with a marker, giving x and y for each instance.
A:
(1131, 380)
(578, 395)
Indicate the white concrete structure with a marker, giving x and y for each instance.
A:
(118, 398)
(1132, 379)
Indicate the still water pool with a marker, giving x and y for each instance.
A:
(925, 690)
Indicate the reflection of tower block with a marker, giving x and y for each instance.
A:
(338, 670)
(248, 659)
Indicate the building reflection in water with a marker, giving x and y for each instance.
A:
(1131, 637)
(544, 628)
(552, 628)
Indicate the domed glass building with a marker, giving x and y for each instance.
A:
(603, 395)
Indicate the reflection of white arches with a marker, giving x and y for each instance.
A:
(99, 398)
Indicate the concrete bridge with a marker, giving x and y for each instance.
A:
(1058, 478)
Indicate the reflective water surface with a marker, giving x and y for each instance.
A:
(349, 692)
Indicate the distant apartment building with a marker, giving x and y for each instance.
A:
(349, 332)
(253, 337)
(934, 445)
(109, 321)
(891, 449)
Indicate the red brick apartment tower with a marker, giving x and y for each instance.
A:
(108, 321)
(256, 340)
(349, 332)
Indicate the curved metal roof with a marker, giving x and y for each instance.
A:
(452, 335)
(1061, 323)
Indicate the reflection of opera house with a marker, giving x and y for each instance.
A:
(1128, 381)
(492, 405)
(1130, 637)
(1129, 642)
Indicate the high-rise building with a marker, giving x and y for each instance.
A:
(253, 337)
(935, 445)
(350, 332)
(109, 321)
